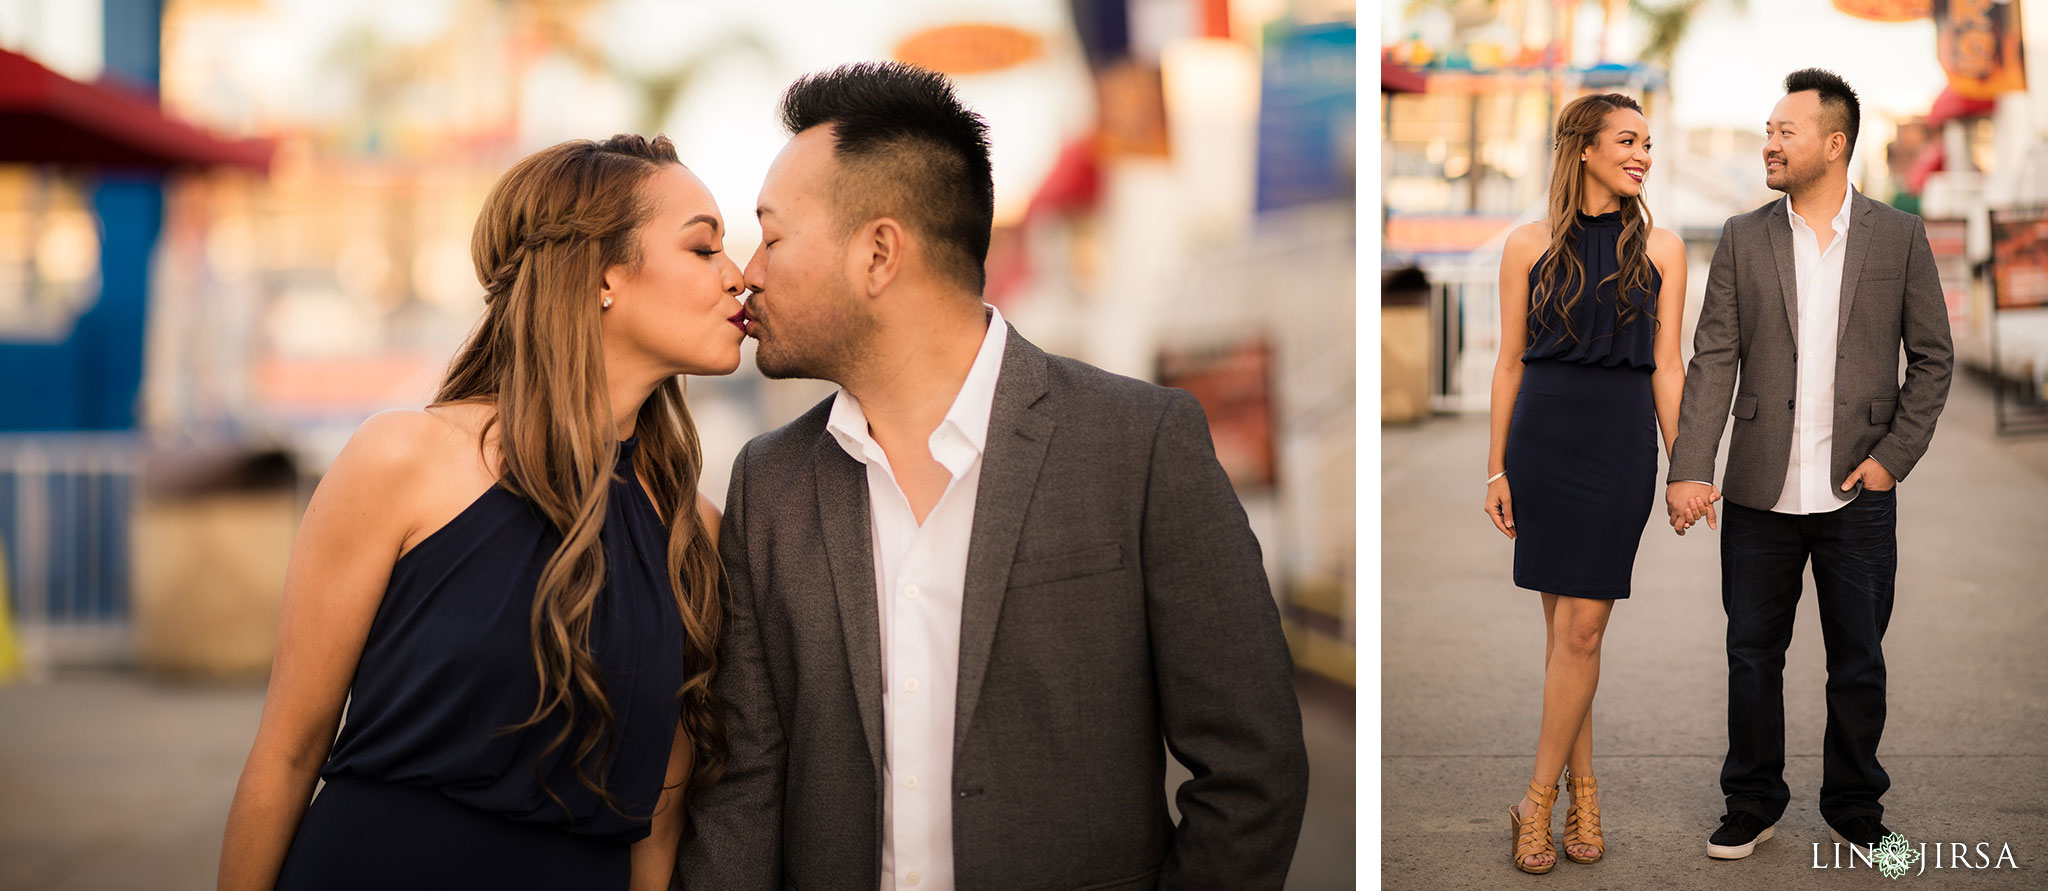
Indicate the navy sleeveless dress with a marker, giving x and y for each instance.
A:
(1582, 446)
(423, 788)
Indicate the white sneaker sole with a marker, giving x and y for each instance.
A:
(1737, 852)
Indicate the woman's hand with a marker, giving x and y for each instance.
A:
(1500, 506)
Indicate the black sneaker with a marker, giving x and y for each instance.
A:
(1863, 832)
(1738, 836)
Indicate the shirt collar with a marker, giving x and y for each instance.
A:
(961, 437)
(1841, 220)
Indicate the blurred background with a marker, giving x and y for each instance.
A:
(1470, 88)
(230, 230)
(1954, 128)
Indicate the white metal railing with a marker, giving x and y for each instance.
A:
(65, 504)
(1464, 323)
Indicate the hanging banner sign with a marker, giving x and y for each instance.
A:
(1978, 42)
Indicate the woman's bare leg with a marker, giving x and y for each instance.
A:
(1573, 629)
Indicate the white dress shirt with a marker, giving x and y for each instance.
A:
(1809, 484)
(920, 571)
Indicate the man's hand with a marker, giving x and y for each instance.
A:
(1687, 502)
(1873, 476)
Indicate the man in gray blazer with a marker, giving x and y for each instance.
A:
(1810, 298)
(979, 593)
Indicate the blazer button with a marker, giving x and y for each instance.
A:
(1788, 403)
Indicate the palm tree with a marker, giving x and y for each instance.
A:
(1668, 24)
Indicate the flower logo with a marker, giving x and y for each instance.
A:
(1894, 856)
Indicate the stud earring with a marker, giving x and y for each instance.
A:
(606, 303)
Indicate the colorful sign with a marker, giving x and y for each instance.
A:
(1308, 116)
(1886, 10)
(1235, 387)
(970, 48)
(1978, 42)
(1133, 101)
(1947, 239)
(2019, 257)
(1442, 233)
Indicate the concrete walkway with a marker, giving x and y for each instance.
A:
(1966, 742)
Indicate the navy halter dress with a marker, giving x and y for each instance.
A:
(1582, 446)
(424, 789)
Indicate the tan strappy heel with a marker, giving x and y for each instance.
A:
(1582, 821)
(1532, 835)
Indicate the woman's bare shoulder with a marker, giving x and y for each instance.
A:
(468, 418)
(393, 439)
(1666, 249)
(394, 445)
(1525, 243)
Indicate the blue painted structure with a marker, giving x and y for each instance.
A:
(68, 408)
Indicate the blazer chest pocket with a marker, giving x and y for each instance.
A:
(1881, 410)
(1072, 565)
(1745, 406)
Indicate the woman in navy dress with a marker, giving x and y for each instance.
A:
(515, 591)
(1592, 299)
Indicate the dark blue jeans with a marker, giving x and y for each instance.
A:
(1855, 553)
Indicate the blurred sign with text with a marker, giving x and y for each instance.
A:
(2019, 257)
(1308, 117)
(1978, 42)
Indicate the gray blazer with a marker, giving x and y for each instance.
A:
(1114, 599)
(1890, 295)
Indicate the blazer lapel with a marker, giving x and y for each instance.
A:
(1017, 440)
(1788, 273)
(850, 553)
(1860, 230)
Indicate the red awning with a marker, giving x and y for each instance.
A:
(1396, 79)
(1074, 183)
(47, 118)
(1951, 105)
(1931, 161)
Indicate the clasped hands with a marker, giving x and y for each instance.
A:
(1689, 502)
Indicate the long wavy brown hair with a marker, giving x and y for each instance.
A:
(551, 227)
(1561, 274)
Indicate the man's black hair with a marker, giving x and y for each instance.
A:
(909, 150)
(1839, 107)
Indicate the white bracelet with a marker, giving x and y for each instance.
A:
(1489, 480)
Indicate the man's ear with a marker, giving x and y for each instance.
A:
(1838, 145)
(882, 249)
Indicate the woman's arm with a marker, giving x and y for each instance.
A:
(1524, 245)
(1667, 383)
(654, 857)
(340, 563)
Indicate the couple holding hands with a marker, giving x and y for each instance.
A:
(1808, 302)
(944, 633)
